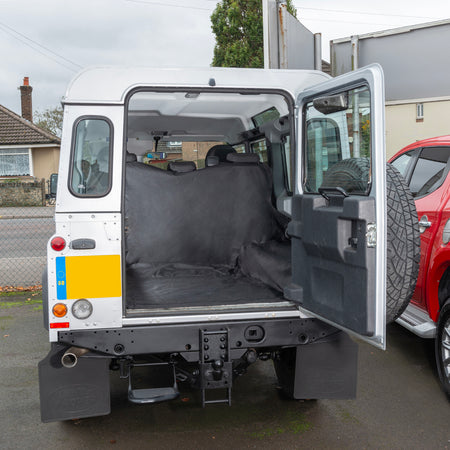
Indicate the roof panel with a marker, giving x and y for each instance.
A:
(111, 84)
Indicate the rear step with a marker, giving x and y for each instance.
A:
(418, 321)
(157, 394)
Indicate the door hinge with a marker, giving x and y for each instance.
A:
(371, 235)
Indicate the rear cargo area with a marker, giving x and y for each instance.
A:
(204, 237)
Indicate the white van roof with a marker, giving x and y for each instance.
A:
(110, 85)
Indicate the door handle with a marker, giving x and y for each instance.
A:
(424, 223)
(82, 244)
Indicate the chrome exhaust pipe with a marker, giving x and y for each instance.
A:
(70, 357)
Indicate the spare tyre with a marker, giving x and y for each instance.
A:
(403, 244)
(403, 237)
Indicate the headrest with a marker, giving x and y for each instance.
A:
(130, 157)
(211, 161)
(221, 151)
(243, 158)
(181, 166)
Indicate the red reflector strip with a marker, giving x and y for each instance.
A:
(59, 325)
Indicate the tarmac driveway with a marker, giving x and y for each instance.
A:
(399, 403)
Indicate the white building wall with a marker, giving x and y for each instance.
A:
(403, 127)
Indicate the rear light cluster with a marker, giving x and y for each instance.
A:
(59, 310)
(59, 325)
(81, 309)
(58, 244)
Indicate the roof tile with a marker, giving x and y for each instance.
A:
(15, 130)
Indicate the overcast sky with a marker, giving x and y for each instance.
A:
(51, 40)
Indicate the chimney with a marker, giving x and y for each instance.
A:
(25, 96)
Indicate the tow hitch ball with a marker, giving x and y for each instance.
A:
(217, 370)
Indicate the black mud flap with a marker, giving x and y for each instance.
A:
(325, 369)
(73, 393)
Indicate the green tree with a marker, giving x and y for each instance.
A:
(238, 26)
(50, 120)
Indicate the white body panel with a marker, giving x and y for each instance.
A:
(102, 93)
(105, 229)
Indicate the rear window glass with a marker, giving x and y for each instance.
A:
(338, 148)
(430, 170)
(180, 151)
(91, 167)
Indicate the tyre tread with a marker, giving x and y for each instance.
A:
(403, 247)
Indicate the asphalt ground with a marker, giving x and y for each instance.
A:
(399, 403)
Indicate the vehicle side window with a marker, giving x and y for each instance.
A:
(403, 161)
(286, 142)
(260, 148)
(240, 148)
(430, 170)
(91, 164)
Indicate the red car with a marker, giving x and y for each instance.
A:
(425, 166)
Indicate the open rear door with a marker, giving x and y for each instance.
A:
(338, 226)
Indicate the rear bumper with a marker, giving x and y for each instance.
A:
(325, 365)
(184, 338)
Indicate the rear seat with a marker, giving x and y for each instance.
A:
(204, 217)
(243, 158)
(181, 166)
(211, 161)
(221, 151)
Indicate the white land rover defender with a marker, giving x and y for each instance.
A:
(206, 218)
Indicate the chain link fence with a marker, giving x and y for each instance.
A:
(24, 233)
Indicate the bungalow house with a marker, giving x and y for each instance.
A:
(25, 149)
